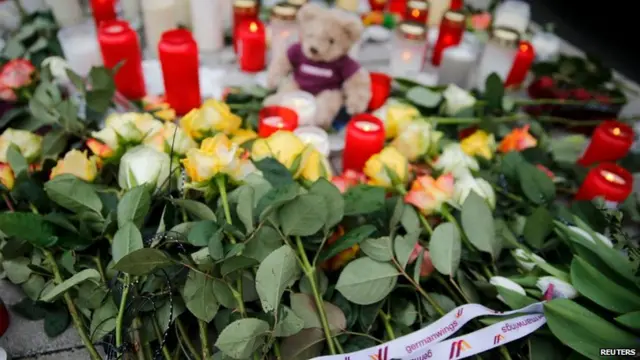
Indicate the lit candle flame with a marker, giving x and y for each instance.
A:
(367, 126)
(415, 13)
(611, 177)
(524, 47)
(406, 55)
(275, 121)
(253, 27)
(616, 131)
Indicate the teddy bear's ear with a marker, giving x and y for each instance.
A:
(308, 11)
(353, 26)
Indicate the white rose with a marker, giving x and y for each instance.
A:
(503, 282)
(177, 138)
(125, 126)
(559, 288)
(525, 259)
(107, 136)
(30, 144)
(457, 99)
(467, 183)
(143, 165)
(454, 160)
(605, 240)
(58, 67)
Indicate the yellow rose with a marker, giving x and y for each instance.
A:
(77, 163)
(417, 140)
(284, 146)
(217, 155)
(212, 117)
(131, 128)
(314, 166)
(7, 179)
(388, 168)
(480, 143)
(172, 139)
(30, 144)
(241, 136)
(398, 116)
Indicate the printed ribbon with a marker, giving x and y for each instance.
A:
(427, 343)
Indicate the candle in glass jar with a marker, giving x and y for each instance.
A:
(120, 45)
(377, 5)
(66, 12)
(80, 47)
(380, 90)
(314, 136)
(304, 104)
(252, 45)
(283, 27)
(408, 49)
(610, 141)
(457, 64)
(276, 118)
(607, 180)
(158, 16)
(131, 12)
(178, 53)
(513, 14)
(417, 10)
(521, 64)
(437, 9)
(547, 46)
(397, 7)
(243, 10)
(103, 10)
(364, 138)
(450, 34)
(207, 21)
(498, 55)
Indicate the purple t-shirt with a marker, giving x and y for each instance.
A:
(315, 76)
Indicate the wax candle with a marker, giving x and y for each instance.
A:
(377, 5)
(417, 10)
(180, 70)
(66, 12)
(103, 10)
(131, 12)
(314, 136)
(408, 49)
(364, 138)
(80, 47)
(184, 12)
(276, 118)
(521, 65)
(437, 9)
(304, 104)
(208, 24)
(609, 181)
(243, 10)
(547, 46)
(120, 45)
(610, 141)
(398, 7)
(252, 45)
(513, 14)
(380, 90)
(158, 16)
(457, 64)
(497, 56)
(450, 34)
(283, 27)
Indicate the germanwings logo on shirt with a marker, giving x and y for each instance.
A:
(316, 71)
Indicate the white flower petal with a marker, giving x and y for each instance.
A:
(605, 240)
(561, 289)
(500, 281)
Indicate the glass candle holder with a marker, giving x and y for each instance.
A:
(251, 41)
(131, 12)
(610, 141)
(303, 103)
(66, 12)
(377, 5)
(275, 118)
(547, 46)
(158, 16)
(498, 55)
(283, 27)
(608, 180)
(364, 137)
(513, 14)
(315, 136)
(408, 49)
(208, 25)
(457, 65)
(450, 34)
(243, 10)
(418, 11)
(178, 53)
(80, 47)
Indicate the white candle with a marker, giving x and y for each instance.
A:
(437, 8)
(131, 10)
(226, 9)
(408, 51)
(31, 6)
(66, 12)
(498, 56)
(283, 27)
(513, 14)
(456, 66)
(315, 136)
(184, 12)
(80, 46)
(208, 28)
(547, 46)
(304, 104)
(158, 16)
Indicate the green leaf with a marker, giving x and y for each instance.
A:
(365, 281)
(424, 97)
(245, 207)
(606, 292)
(29, 309)
(73, 194)
(378, 249)
(58, 290)
(56, 322)
(17, 270)
(288, 323)
(514, 299)
(242, 337)
(275, 173)
(134, 206)
(467, 287)
(264, 241)
(444, 302)
(33, 286)
(347, 241)
(277, 272)
(510, 163)
(103, 320)
(410, 220)
(142, 262)
(17, 162)
(305, 307)
(215, 246)
(494, 92)
(201, 232)
(276, 197)
(584, 331)
(333, 199)
(477, 223)
(535, 184)
(631, 320)
(539, 225)
(99, 100)
(403, 247)
(363, 199)
(541, 348)
(445, 248)
(195, 208)
(307, 344)
(54, 143)
(322, 283)
(126, 240)
(28, 226)
(199, 296)
(303, 216)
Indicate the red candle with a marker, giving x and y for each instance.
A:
(380, 90)
(398, 7)
(364, 138)
(119, 43)
(377, 5)
(103, 10)
(243, 10)
(252, 45)
(178, 53)
(521, 64)
(276, 118)
(417, 10)
(451, 30)
(456, 5)
(606, 180)
(611, 141)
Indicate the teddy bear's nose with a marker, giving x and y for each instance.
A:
(313, 50)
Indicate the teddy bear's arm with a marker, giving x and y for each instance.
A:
(357, 92)
(278, 69)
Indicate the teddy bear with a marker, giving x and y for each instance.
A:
(320, 64)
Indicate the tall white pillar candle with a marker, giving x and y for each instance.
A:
(547, 46)
(184, 14)
(437, 8)
(208, 28)
(158, 16)
(66, 12)
(498, 55)
(226, 9)
(80, 47)
(408, 49)
(283, 27)
(513, 14)
(131, 11)
(456, 66)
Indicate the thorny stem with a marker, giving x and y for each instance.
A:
(223, 197)
(96, 260)
(309, 271)
(387, 325)
(460, 290)
(417, 286)
(121, 310)
(185, 339)
(425, 223)
(204, 339)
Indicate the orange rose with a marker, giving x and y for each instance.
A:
(517, 140)
(340, 260)
(101, 150)
(429, 194)
(7, 178)
(348, 179)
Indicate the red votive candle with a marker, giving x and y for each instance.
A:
(119, 43)
(178, 53)
(417, 10)
(364, 138)
(252, 45)
(456, 5)
(276, 118)
(103, 10)
(243, 10)
(450, 34)
(398, 7)
(377, 5)
(521, 64)
(380, 90)
(606, 180)
(611, 141)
